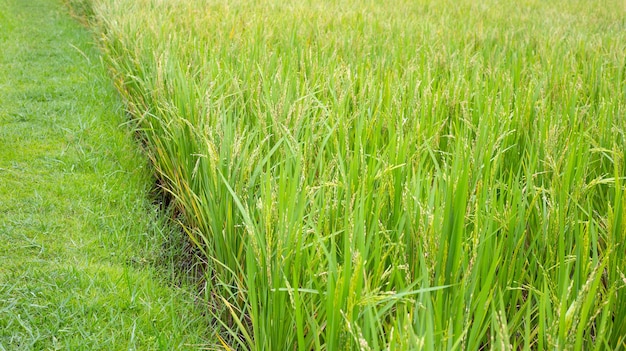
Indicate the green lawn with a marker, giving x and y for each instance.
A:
(82, 262)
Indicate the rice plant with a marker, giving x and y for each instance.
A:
(399, 175)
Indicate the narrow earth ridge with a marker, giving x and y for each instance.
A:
(77, 248)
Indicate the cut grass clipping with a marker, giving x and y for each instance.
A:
(392, 175)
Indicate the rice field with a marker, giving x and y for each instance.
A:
(397, 175)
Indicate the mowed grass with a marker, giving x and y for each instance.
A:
(398, 175)
(83, 257)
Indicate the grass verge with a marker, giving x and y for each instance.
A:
(80, 242)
